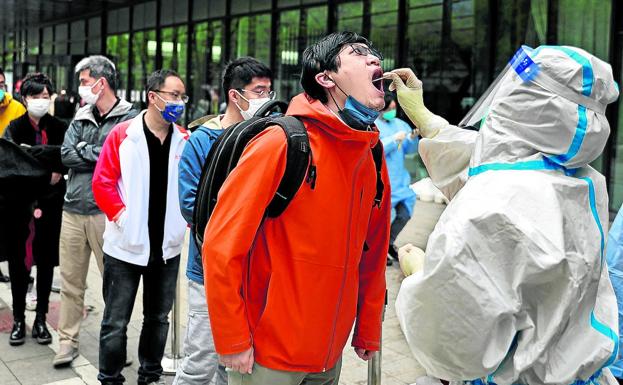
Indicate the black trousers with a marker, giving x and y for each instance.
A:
(121, 280)
(20, 274)
(402, 217)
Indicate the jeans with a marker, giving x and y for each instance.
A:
(121, 281)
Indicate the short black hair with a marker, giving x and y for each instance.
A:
(156, 80)
(35, 83)
(1, 71)
(323, 56)
(240, 72)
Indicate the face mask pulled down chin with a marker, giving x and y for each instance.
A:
(356, 114)
(38, 107)
(254, 106)
(88, 96)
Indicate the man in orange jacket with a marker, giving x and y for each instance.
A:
(283, 293)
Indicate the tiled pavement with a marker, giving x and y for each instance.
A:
(31, 364)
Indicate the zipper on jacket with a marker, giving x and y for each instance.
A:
(341, 294)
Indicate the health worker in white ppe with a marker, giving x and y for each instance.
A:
(514, 287)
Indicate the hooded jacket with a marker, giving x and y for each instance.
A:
(10, 109)
(515, 287)
(81, 148)
(193, 158)
(293, 286)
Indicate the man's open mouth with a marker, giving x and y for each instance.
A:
(377, 79)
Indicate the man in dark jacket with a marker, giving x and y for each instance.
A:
(83, 223)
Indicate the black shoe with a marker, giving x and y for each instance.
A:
(41, 332)
(393, 253)
(389, 262)
(4, 278)
(18, 333)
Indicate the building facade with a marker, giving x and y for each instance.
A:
(457, 47)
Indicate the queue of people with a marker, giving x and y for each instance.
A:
(273, 300)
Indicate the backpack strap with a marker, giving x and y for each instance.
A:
(377, 155)
(298, 159)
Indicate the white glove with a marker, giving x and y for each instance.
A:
(400, 136)
(426, 380)
(411, 259)
(410, 97)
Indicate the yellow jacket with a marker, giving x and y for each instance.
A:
(10, 109)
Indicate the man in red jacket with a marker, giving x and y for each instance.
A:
(284, 293)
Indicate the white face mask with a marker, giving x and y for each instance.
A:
(254, 105)
(38, 107)
(88, 96)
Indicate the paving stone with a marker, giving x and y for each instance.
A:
(6, 376)
(25, 371)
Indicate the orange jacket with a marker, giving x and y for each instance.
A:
(292, 286)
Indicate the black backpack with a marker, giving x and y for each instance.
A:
(227, 149)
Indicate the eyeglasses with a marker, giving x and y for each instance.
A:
(260, 94)
(177, 96)
(364, 50)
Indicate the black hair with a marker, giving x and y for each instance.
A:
(35, 83)
(240, 72)
(324, 56)
(156, 80)
(388, 98)
(1, 71)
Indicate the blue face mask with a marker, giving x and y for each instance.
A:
(173, 111)
(356, 114)
(1, 94)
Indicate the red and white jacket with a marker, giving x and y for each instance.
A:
(121, 190)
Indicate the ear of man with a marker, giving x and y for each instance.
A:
(324, 80)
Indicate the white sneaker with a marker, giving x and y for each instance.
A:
(31, 301)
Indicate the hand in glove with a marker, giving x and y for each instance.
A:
(411, 259)
(409, 91)
(400, 136)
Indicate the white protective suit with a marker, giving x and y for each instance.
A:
(514, 287)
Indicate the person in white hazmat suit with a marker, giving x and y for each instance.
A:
(514, 288)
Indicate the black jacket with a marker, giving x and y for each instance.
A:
(48, 198)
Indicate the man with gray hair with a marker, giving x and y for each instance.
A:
(83, 223)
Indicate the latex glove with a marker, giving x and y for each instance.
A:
(426, 380)
(400, 136)
(410, 97)
(411, 259)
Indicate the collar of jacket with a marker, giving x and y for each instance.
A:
(86, 112)
(6, 101)
(303, 106)
(135, 130)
